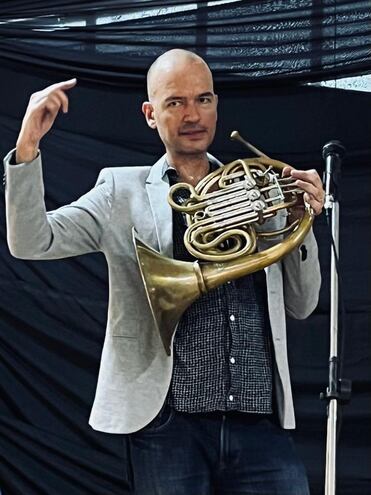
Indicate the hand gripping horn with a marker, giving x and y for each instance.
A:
(227, 212)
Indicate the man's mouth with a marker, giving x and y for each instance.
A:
(193, 132)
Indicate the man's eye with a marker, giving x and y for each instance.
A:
(205, 99)
(174, 103)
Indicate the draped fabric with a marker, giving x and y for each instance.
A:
(53, 313)
(257, 42)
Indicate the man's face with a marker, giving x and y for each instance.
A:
(183, 108)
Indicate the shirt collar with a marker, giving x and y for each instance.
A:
(172, 174)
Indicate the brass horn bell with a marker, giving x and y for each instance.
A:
(224, 212)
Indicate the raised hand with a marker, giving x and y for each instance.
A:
(40, 115)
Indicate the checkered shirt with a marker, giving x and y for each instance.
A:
(222, 349)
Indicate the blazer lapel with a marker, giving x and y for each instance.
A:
(157, 189)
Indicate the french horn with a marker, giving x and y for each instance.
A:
(226, 214)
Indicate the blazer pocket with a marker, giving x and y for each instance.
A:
(128, 329)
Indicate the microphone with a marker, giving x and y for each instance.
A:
(332, 153)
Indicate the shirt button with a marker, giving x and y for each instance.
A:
(232, 360)
(232, 318)
(230, 398)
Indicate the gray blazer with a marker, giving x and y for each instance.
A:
(135, 371)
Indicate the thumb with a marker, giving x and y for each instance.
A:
(286, 172)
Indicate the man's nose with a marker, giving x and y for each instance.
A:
(192, 114)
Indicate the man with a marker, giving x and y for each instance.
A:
(202, 420)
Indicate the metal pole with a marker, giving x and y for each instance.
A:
(333, 152)
(330, 476)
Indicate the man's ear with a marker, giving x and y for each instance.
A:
(147, 109)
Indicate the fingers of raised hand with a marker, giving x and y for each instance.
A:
(60, 96)
(57, 89)
(69, 83)
(53, 101)
(52, 104)
(63, 85)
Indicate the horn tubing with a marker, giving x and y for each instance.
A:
(216, 274)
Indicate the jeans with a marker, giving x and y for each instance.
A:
(215, 453)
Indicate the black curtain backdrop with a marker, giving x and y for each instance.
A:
(53, 313)
(256, 42)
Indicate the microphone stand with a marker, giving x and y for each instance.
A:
(338, 390)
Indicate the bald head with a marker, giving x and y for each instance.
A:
(171, 62)
(182, 104)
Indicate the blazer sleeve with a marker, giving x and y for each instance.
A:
(301, 274)
(302, 278)
(35, 234)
